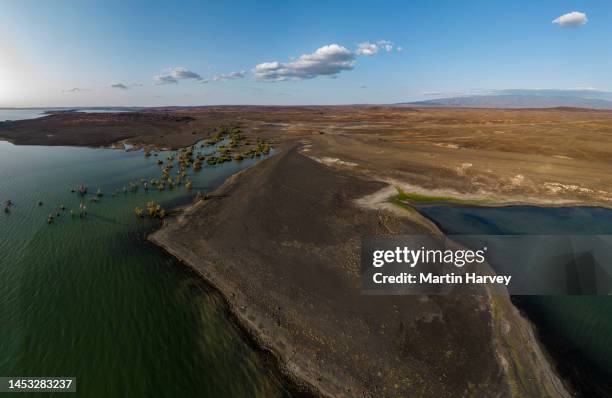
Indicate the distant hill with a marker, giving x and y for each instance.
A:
(514, 101)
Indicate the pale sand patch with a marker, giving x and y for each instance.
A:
(306, 146)
(463, 168)
(379, 200)
(447, 145)
(333, 161)
(517, 180)
(557, 187)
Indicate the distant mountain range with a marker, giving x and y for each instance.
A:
(524, 99)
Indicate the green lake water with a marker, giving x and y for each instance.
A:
(577, 330)
(91, 298)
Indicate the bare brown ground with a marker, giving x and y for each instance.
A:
(550, 157)
(281, 241)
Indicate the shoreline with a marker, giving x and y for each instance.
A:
(293, 383)
(449, 197)
(301, 383)
(252, 333)
(537, 361)
(550, 351)
(157, 309)
(540, 334)
(528, 328)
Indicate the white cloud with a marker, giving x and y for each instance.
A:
(175, 74)
(386, 45)
(571, 19)
(328, 60)
(230, 76)
(368, 49)
(119, 85)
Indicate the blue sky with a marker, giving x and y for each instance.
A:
(69, 53)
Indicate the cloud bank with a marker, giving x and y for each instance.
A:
(572, 19)
(328, 60)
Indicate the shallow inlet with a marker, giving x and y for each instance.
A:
(577, 330)
(93, 299)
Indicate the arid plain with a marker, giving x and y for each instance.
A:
(547, 156)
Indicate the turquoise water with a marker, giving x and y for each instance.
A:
(91, 298)
(577, 329)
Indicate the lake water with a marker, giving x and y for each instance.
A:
(32, 113)
(20, 114)
(91, 298)
(576, 329)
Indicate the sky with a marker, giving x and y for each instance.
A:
(154, 53)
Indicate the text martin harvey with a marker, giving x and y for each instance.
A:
(430, 278)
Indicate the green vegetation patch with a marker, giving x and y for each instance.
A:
(404, 199)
